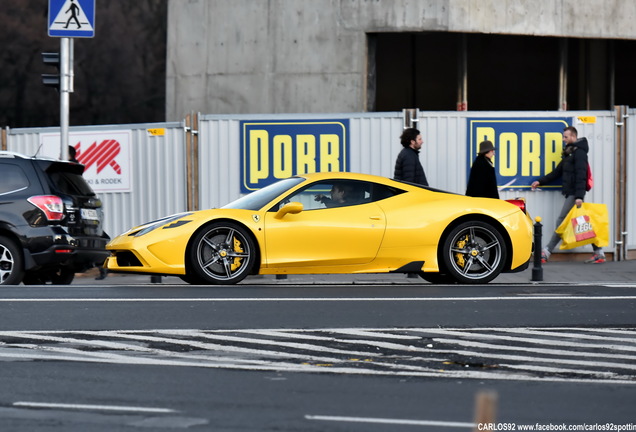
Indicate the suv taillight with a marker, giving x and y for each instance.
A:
(51, 205)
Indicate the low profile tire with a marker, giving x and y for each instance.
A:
(474, 252)
(33, 278)
(11, 262)
(222, 253)
(62, 276)
(437, 278)
(192, 279)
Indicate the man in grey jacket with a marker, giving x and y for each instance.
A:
(573, 171)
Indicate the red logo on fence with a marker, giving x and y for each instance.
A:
(102, 155)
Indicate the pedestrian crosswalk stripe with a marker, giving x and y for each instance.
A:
(517, 353)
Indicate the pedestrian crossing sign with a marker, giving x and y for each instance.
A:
(72, 18)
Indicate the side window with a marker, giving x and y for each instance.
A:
(13, 179)
(333, 193)
(380, 192)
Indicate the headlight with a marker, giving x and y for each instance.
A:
(145, 229)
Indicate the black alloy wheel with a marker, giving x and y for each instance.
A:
(62, 276)
(474, 252)
(222, 253)
(11, 267)
(437, 278)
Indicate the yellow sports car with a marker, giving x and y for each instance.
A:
(334, 223)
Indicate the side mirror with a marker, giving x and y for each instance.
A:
(292, 207)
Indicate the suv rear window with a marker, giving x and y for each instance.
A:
(13, 179)
(71, 184)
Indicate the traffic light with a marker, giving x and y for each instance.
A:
(52, 80)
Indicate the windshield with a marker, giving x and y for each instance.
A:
(258, 199)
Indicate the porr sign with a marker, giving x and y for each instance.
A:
(526, 148)
(273, 150)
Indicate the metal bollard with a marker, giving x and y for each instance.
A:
(537, 270)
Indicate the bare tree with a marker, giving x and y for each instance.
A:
(119, 74)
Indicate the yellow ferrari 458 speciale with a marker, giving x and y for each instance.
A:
(334, 223)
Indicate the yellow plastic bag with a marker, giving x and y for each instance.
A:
(585, 225)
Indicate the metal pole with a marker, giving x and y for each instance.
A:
(64, 96)
(462, 74)
(620, 184)
(537, 270)
(71, 58)
(563, 75)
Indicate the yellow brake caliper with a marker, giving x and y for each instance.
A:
(459, 257)
(237, 248)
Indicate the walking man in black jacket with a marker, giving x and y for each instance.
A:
(408, 166)
(573, 171)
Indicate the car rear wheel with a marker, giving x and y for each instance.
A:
(62, 276)
(474, 252)
(11, 266)
(222, 253)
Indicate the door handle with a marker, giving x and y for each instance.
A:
(375, 217)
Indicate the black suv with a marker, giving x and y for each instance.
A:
(50, 221)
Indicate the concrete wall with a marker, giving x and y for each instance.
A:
(310, 56)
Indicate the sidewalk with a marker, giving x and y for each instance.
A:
(553, 272)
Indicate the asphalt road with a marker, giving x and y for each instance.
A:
(315, 358)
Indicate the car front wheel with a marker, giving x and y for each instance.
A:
(11, 271)
(437, 278)
(222, 253)
(474, 252)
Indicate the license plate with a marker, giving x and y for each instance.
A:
(90, 214)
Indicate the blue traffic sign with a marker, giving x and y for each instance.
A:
(72, 18)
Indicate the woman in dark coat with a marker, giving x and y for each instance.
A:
(482, 181)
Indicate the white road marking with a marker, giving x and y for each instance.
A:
(548, 369)
(314, 299)
(579, 335)
(92, 407)
(432, 350)
(559, 343)
(256, 341)
(375, 334)
(291, 367)
(391, 421)
(555, 353)
(261, 352)
(379, 344)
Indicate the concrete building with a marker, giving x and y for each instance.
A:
(321, 56)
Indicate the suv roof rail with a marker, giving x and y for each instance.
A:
(8, 154)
